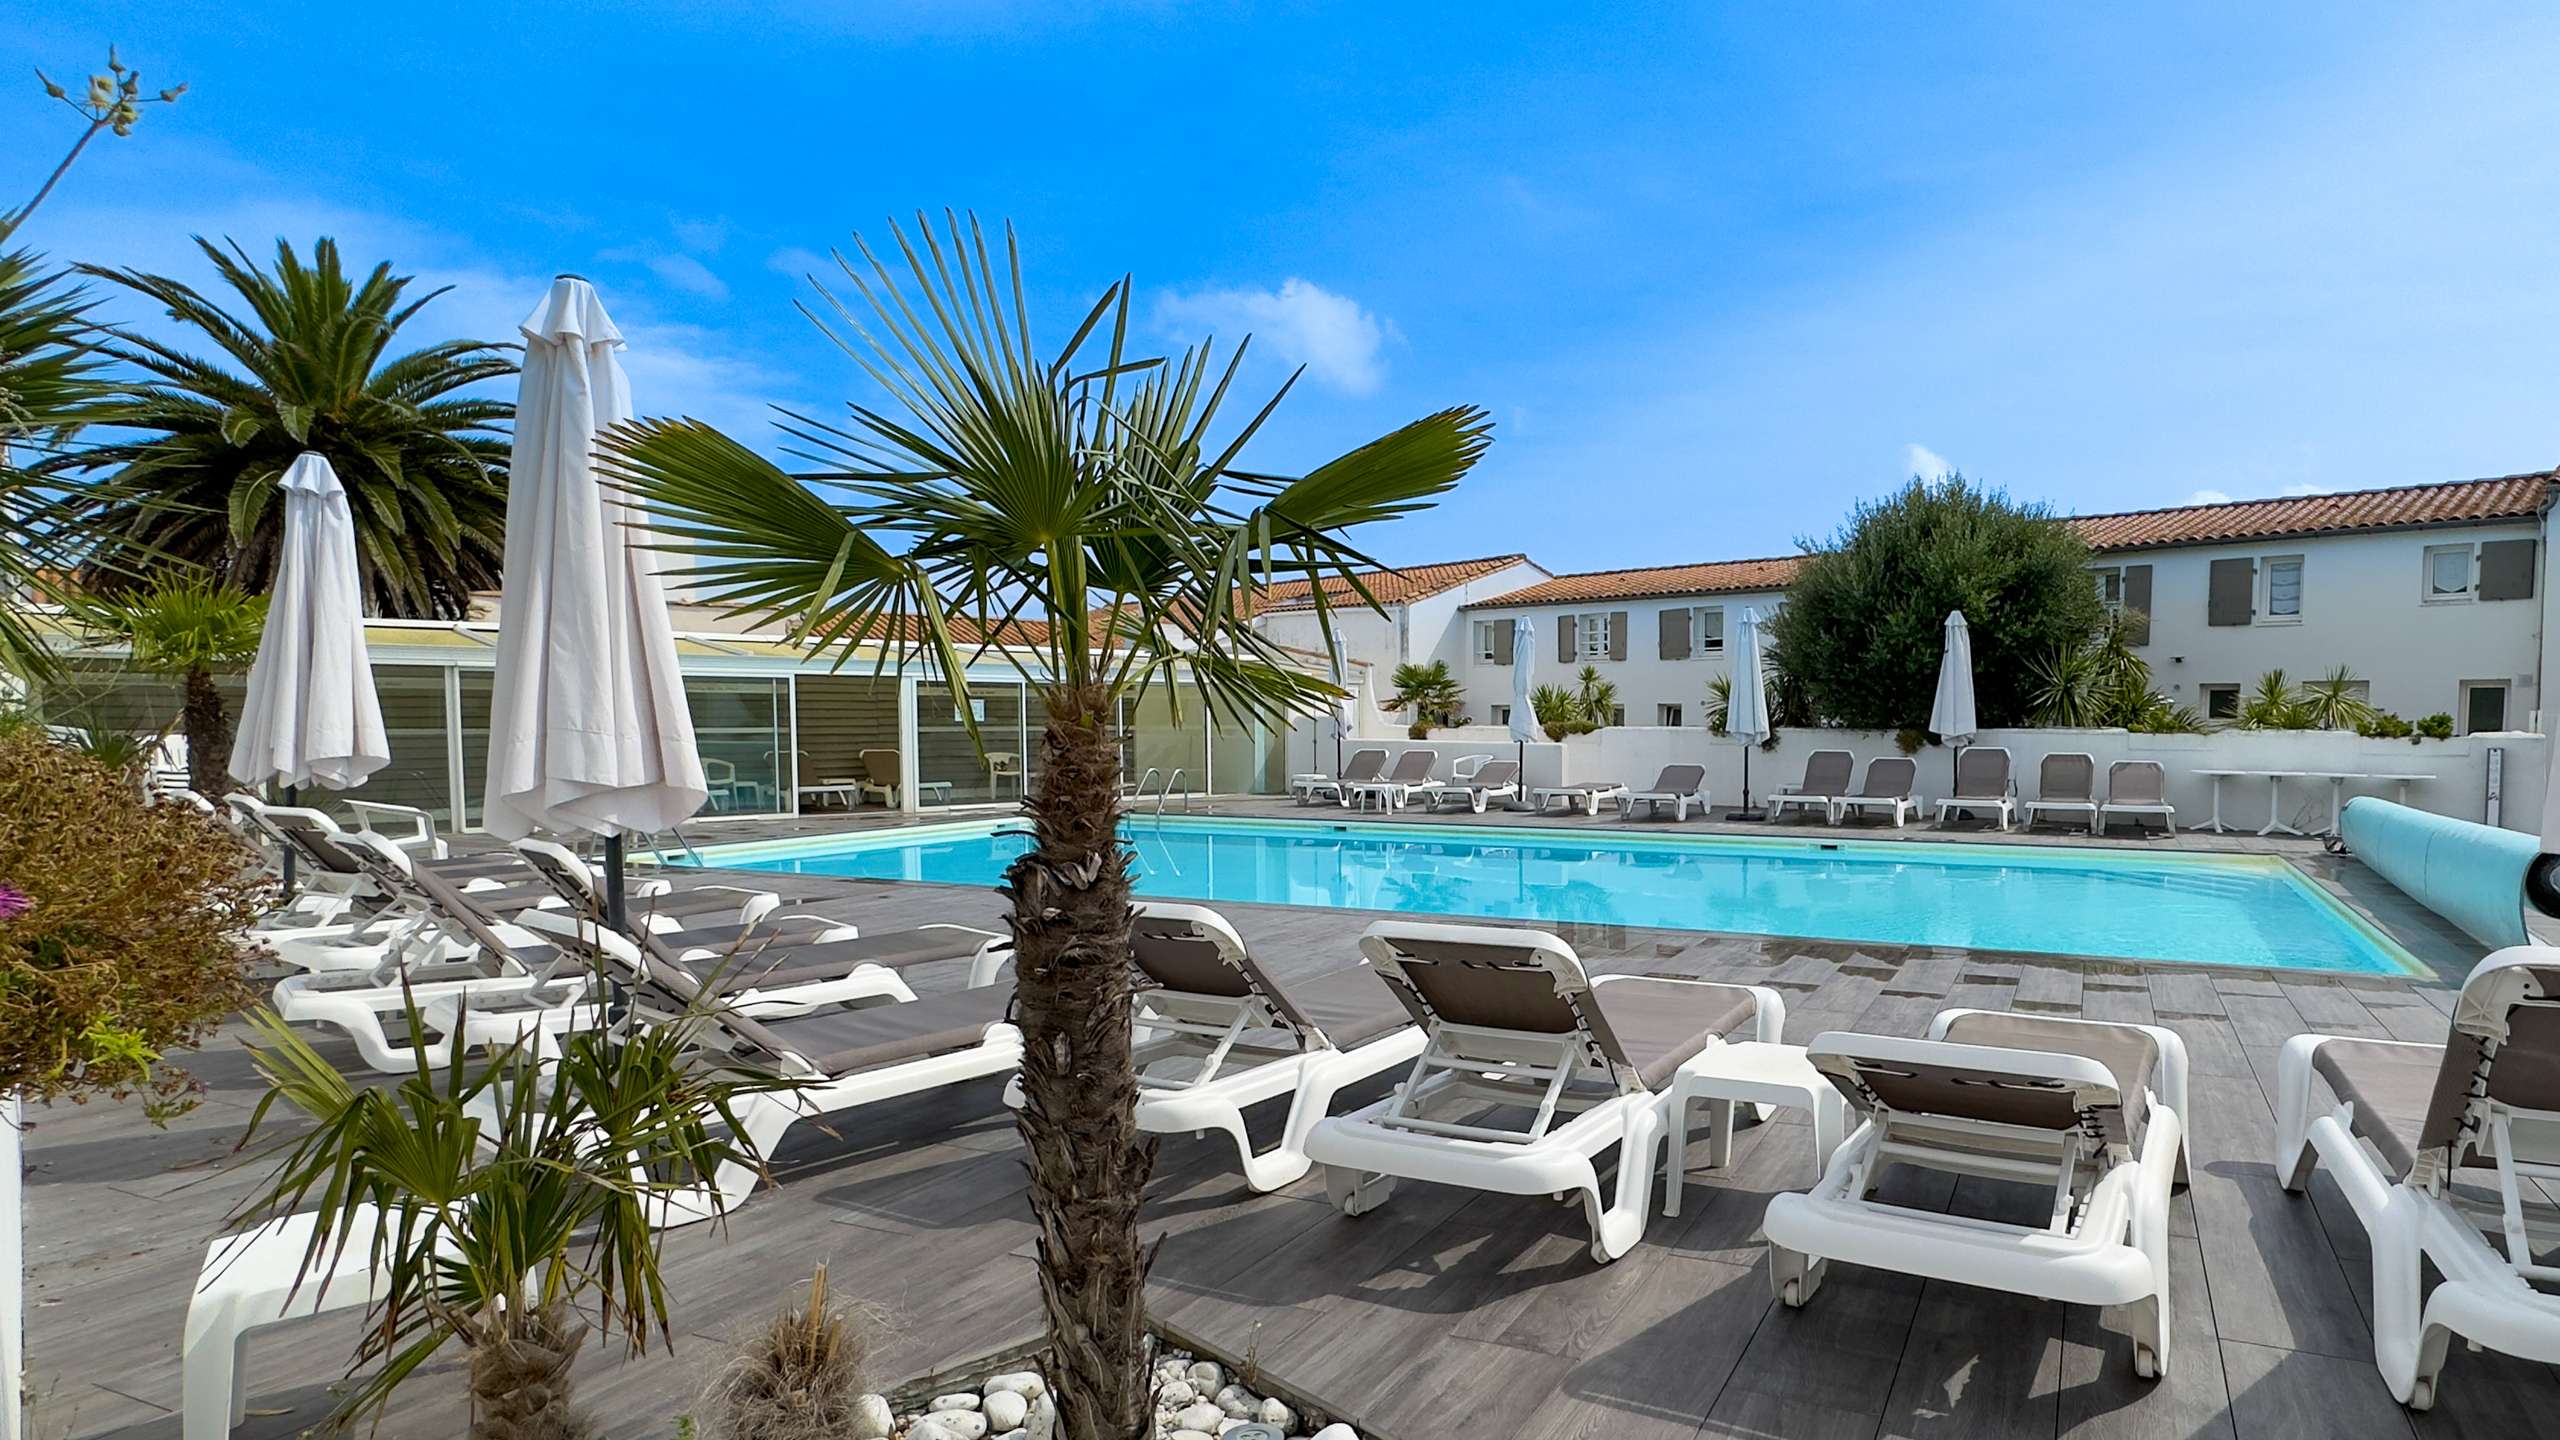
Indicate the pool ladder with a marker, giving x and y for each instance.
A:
(1164, 791)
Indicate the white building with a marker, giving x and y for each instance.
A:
(1423, 607)
(2437, 597)
(1661, 635)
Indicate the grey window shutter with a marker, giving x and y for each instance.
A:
(1503, 637)
(2230, 592)
(1617, 634)
(1564, 640)
(1675, 634)
(2137, 604)
(2506, 569)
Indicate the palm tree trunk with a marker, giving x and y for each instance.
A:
(520, 1376)
(208, 727)
(1072, 998)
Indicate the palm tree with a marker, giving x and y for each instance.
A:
(48, 374)
(507, 1190)
(1559, 712)
(2273, 704)
(1430, 692)
(1085, 489)
(185, 630)
(310, 369)
(2335, 701)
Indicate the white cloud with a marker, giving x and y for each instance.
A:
(689, 275)
(1330, 334)
(703, 237)
(1924, 462)
(2207, 497)
(795, 262)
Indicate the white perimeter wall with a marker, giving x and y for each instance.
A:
(1633, 755)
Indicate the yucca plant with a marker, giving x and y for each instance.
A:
(1098, 490)
(2273, 704)
(201, 444)
(1594, 697)
(500, 1192)
(2335, 701)
(1559, 712)
(187, 629)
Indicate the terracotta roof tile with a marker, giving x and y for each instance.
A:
(2465, 502)
(1716, 577)
(1392, 586)
(2507, 497)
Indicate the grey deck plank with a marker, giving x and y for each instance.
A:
(1443, 1302)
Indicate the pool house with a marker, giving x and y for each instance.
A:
(781, 731)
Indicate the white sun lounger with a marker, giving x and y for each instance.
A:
(1493, 780)
(1589, 794)
(250, 1281)
(1826, 780)
(2066, 784)
(2092, 1111)
(1395, 789)
(845, 1057)
(1982, 783)
(2441, 1151)
(1218, 1034)
(1363, 765)
(2138, 788)
(1887, 788)
(1678, 786)
(1514, 1021)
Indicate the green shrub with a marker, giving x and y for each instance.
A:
(120, 928)
(1864, 622)
(2438, 726)
(2383, 725)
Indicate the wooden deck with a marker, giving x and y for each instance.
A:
(1446, 1312)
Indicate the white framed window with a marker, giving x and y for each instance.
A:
(2449, 572)
(1484, 634)
(1666, 715)
(1591, 636)
(2221, 702)
(1501, 714)
(1706, 632)
(2280, 590)
(2110, 582)
(2484, 706)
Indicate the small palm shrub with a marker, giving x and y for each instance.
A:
(186, 629)
(2383, 725)
(1431, 693)
(119, 928)
(2438, 726)
(1595, 697)
(2273, 704)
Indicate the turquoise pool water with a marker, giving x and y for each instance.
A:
(2203, 909)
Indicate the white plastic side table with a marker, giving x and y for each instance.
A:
(1750, 1072)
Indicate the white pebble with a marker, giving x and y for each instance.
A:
(1006, 1411)
(951, 1425)
(1201, 1417)
(1044, 1419)
(959, 1400)
(1190, 1435)
(1175, 1395)
(1275, 1413)
(1013, 1435)
(1207, 1376)
(1336, 1432)
(872, 1419)
(1025, 1383)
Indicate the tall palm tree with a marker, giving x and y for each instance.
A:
(1085, 489)
(310, 368)
(48, 374)
(185, 629)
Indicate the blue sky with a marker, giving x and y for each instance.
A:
(1718, 272)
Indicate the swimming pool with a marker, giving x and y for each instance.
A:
(2204, 909)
